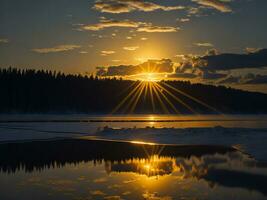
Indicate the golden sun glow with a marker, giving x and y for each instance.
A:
(152, 166)
(149, 77)
(141, 142)
(160, 94)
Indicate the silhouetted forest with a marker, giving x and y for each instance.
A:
(31, 91)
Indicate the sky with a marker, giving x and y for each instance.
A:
(218, 42)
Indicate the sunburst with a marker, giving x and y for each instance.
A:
(159, 93)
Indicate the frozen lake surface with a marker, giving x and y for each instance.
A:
(246, 132)
(77, 157)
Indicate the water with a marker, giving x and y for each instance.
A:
(155, 157)
(84, 169)
(126, 121)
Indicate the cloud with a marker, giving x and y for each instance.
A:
(205, 44)
(217, 67)
(219, 5)
(157, 29)
(257, 79)
(183, 20)
(107, 53)
(55, 49)
(230, 61)
(183, 75)
(4, 40)
(144, 39)
(113, 198)
(133, 48)
(155, 66)
(252, 49)
(230, 80)
(140, 26)
(104, 23)
(155, 196)
(116, 60)
(252, 79)
(125, 6)
(97, 193)
(212, 75)
(100, 180)
(193, 11)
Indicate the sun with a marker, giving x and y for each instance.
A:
(149, 77)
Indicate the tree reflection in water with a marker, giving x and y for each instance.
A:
(215, 165)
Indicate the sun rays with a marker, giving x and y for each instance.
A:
(159, 96)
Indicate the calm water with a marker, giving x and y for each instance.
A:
(85, 169)
(129, 121)
(82, 169)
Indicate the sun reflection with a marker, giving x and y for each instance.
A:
(152, 167)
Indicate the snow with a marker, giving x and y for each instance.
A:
(248, 136)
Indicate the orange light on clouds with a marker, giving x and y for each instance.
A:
(151, 52)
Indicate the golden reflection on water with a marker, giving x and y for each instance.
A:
(153, 178)
(153, 166)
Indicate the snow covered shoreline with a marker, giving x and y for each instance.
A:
(250, 140)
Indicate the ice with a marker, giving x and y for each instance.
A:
(248, 135)
(250, 140)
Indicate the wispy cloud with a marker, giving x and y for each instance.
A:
(55, 49)
(104, 23)
(83, 52)
(106, 53)
(139, 26)
(203, 44)
(4, 40)
(133, 48)
(125, 6)
(252, 49)
(220, 5)
(183, 20)
(157, 29)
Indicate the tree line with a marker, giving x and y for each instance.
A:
(39, 91)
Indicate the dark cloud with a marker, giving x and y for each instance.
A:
(258, 79)
(183, 75)
(229, 61)
(245, 79)
(152, 66)
(230, 80)
(212, 75)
